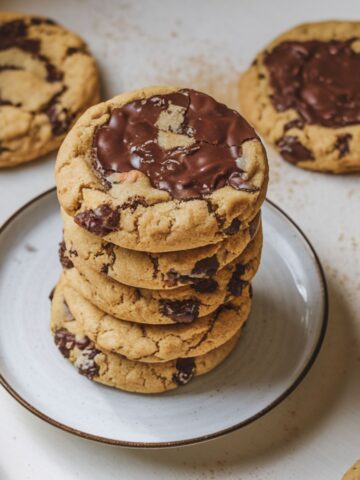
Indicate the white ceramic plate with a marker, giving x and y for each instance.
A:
(277, 347)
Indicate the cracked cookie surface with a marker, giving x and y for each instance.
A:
(301, 93)
(47, 79)
(159, 343)
(180, 305)
(155, 271)
(160, 170)
(117, 371)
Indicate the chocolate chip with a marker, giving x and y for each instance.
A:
(296, 123)
(173, 278)
(65, 341)
(155, 262)
(86, 364)
(181, 311)
(42, 21)
(101, 221)
(51, 294)
(342, 144)
(236, 284)
(185, 371)
(236, 180)
(133, 204)
(63, 257)
(53, 73)
(104, 268)
(206, 285)
(60, 119)
(206, 267)
(5, 67)
(233, 228)
(72, 50)
(293, 150)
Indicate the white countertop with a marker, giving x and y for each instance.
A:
(315, 433)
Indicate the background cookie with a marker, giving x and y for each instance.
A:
(47, 79)
(142, 184)
(353, 473)
(301, 93)
(158, 271)
(117, 371)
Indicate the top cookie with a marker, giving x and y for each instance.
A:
(47, 79)
(302, 93)
(161, 169)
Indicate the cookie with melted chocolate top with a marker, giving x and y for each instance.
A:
(115, 370)
(47, 79)
(303, 95)
(161, 170)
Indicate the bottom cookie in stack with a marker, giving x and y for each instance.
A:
(75, 339)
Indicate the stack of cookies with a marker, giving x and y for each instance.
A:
(160, 191)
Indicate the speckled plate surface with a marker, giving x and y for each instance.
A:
(277, 347)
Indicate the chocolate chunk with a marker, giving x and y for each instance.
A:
(14, 34)
(42, 21)
(155, 262)
(63, 257)
(236, 284)
(53, 73)
(130, 141)
(101, 221)
(173, 278)
(293, 150)
(206, 267)
(233, 228)
(51, 294)
(296, 123)
(6, 67)
(181, 311)
(205, 285)
(185, 371)
(237, 181)
(60, 118)
(342, 144)
(104, 268)
(72, 50)
(65, 341)
(134, 203)
(86, 364)
(318, 79)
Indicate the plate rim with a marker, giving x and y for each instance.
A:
(202, 438)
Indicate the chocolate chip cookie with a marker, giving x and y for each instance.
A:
(159, 343)
(303, 95)
(117, 371)
(47, 79)
(353, 473)
(155, 271)
(180, 305)
(161, 169)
